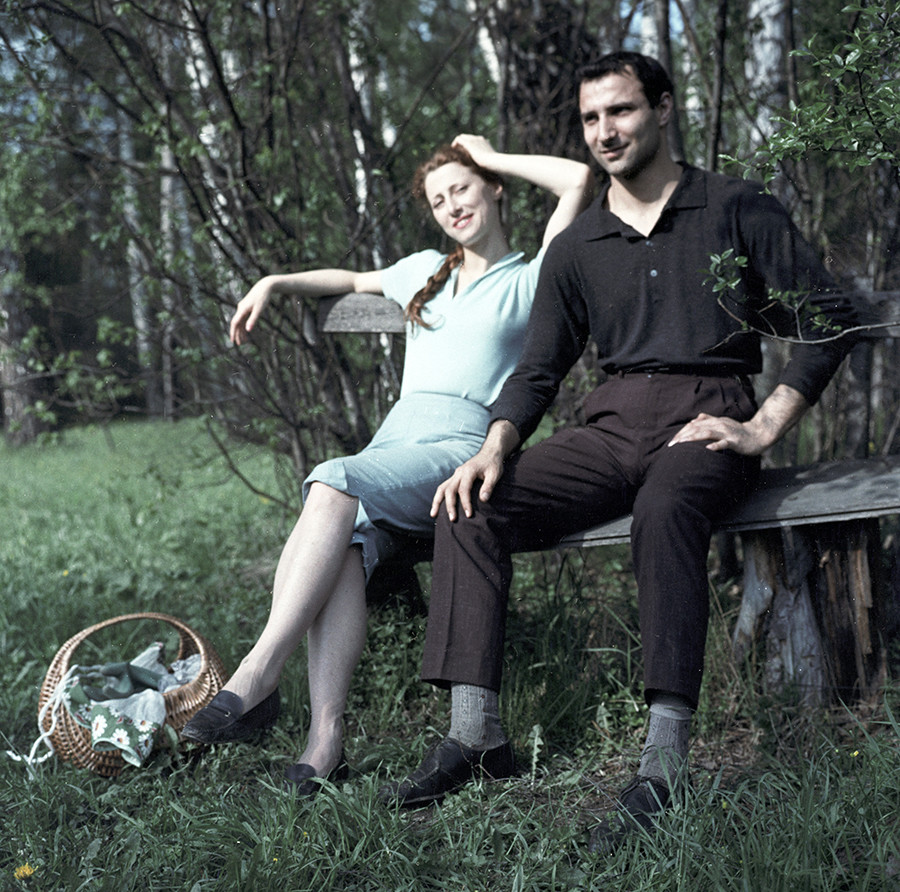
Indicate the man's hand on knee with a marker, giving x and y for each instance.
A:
(486, 465)
(459, 488)
(719, 433)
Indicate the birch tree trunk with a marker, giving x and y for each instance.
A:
(168, 218)
(764, 66)
(141, 312)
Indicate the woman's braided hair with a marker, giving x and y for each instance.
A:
(442, 155)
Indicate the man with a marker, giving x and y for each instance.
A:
(672, 435)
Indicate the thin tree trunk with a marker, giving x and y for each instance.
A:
(169, 229)
(664, 56)
(141, 313)
(715, 128)
(19, 392)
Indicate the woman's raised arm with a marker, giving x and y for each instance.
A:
(310, 283)
(570, 181)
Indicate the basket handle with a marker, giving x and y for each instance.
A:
(186, 643)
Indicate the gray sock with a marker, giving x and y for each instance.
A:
(666, 750)
(475, 717)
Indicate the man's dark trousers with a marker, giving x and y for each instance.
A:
(617, 462)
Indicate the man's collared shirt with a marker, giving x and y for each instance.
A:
(648, 302)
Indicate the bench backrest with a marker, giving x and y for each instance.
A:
(880, 311)
(359, 313)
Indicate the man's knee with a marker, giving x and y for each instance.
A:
(667, 510)
(462, 526)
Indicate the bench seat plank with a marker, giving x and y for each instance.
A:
(825, 492)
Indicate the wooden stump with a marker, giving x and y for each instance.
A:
(811, 591)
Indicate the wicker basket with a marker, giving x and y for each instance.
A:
(72, 742)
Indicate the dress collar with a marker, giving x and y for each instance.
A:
(512, 257)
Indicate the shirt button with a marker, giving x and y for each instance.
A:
(653, 273)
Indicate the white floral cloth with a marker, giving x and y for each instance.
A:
(123, 703)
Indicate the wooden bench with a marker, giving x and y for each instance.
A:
(813, 580)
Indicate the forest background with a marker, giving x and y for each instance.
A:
(158, 158)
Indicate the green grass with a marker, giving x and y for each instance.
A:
(145, 517)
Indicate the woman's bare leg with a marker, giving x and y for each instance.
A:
(308, 570)
(335, 641)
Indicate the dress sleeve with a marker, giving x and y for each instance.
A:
(401, 280)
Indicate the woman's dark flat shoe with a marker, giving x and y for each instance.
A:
(301, 779)
(223, 720)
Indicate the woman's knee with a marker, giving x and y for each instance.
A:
(321, 495)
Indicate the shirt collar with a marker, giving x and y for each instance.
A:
(689, 193)
(508, 260)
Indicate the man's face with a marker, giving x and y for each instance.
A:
(621, 130)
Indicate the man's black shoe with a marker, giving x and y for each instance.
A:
(639, 805)
(448, 766)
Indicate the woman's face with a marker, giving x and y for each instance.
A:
(463, 204)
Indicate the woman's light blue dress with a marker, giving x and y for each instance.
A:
(451, 372)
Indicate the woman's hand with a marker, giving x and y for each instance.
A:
(478, 147)
(570, 181)
(249, 310)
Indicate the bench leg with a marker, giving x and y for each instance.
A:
(850, 603)
(809, 592)
(762, 560)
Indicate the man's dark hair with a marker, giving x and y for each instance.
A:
(653, 77)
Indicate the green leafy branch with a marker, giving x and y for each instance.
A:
(725, 276)
(851, 109)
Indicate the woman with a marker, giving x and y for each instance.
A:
(466, 314)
